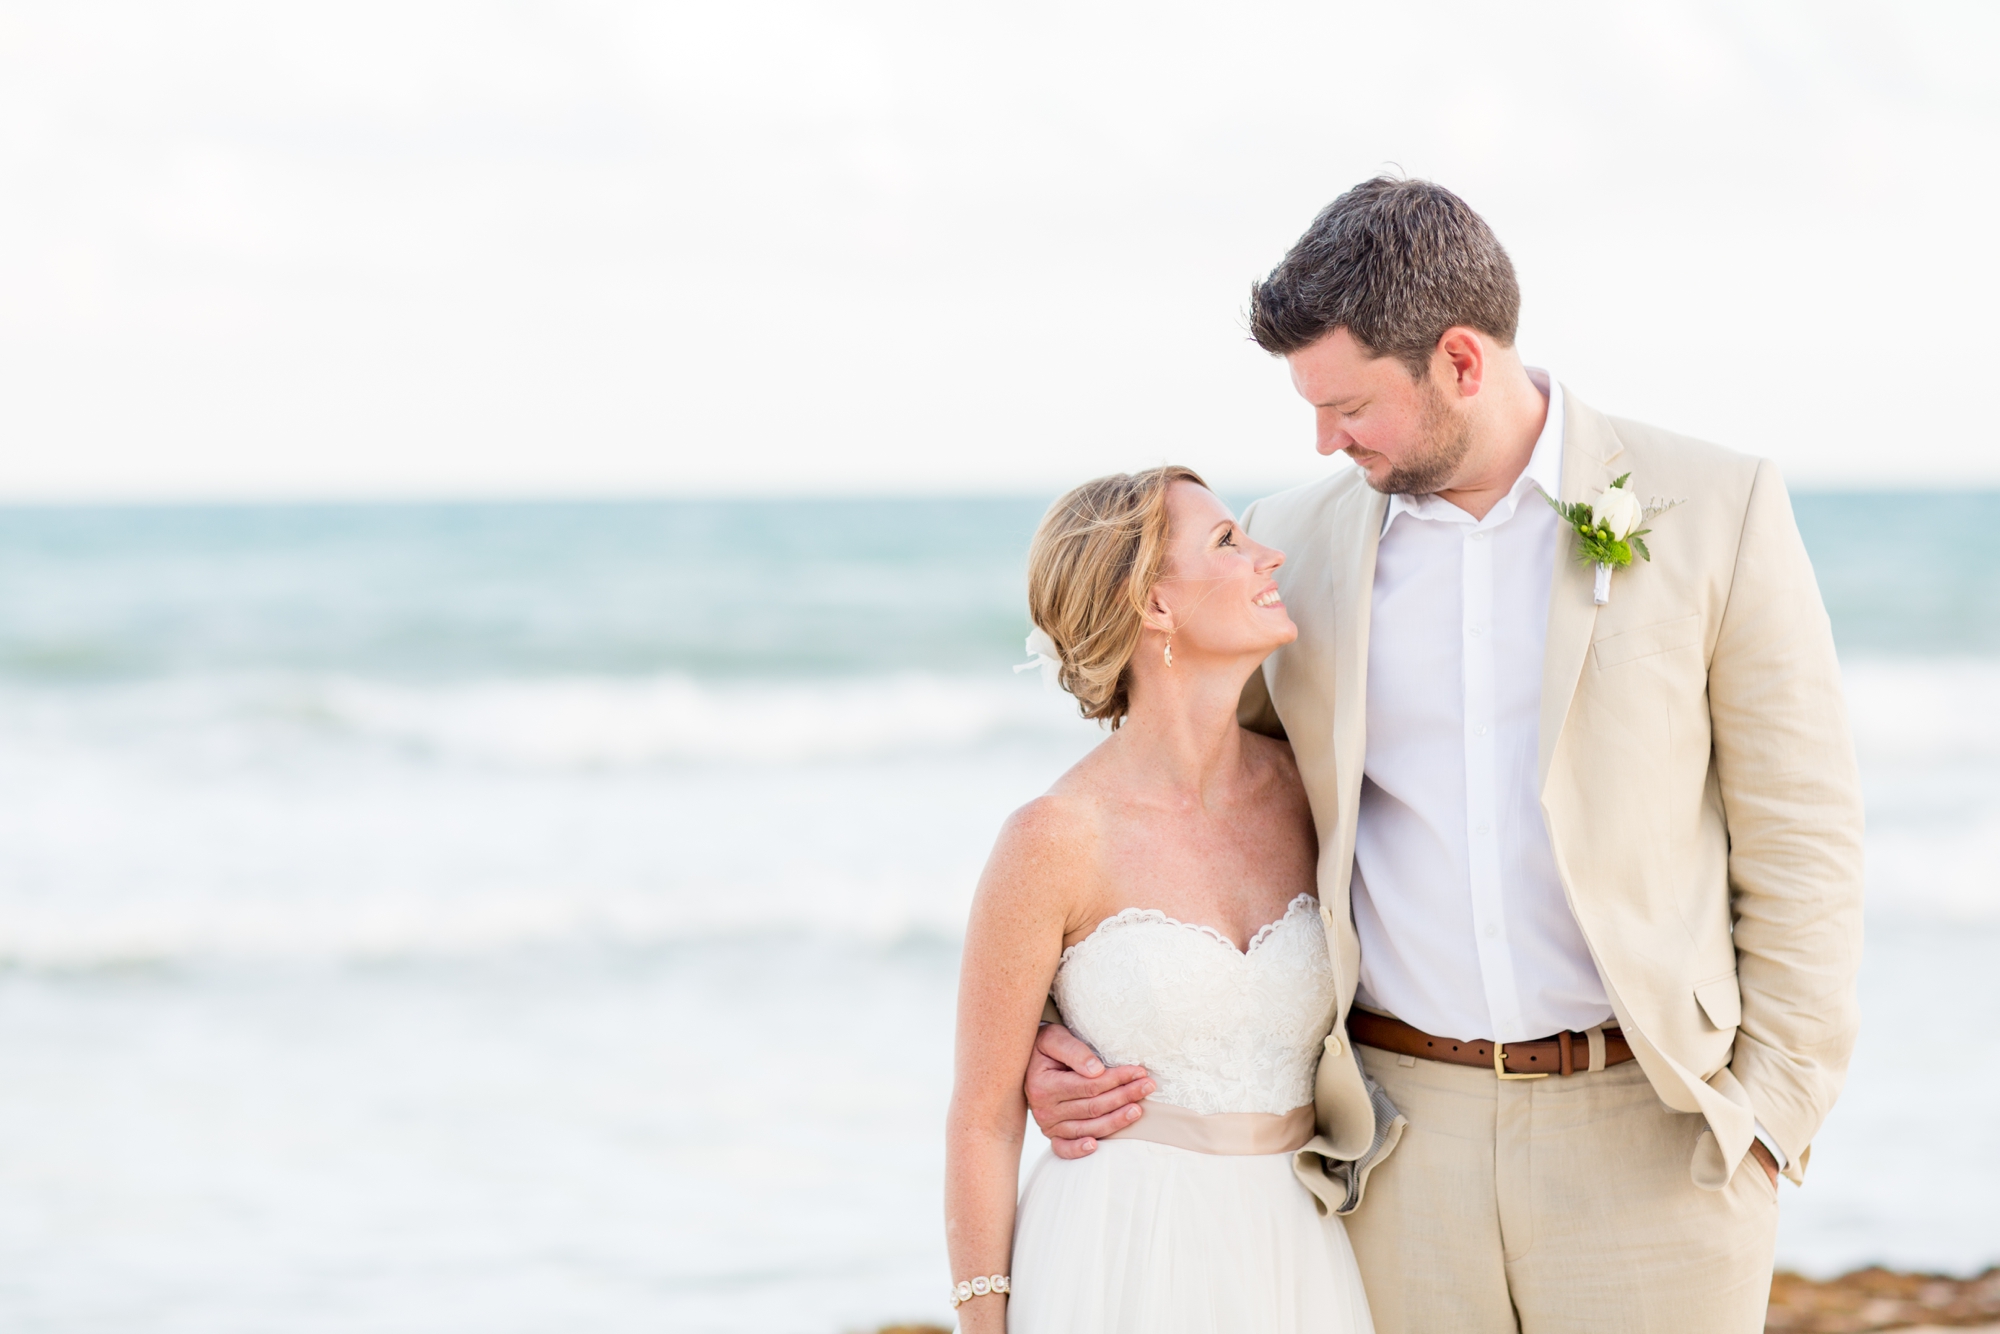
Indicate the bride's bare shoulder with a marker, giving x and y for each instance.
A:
(1276, 768)
(1054, 833)
(1046, 856)
(1274, 754)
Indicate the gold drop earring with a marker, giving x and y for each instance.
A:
(1168, 652)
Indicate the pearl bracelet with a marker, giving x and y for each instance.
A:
(967, 1289)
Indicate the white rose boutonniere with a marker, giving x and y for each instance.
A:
(1607, 529)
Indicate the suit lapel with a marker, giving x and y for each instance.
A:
(1590, 447)
(1357, 534)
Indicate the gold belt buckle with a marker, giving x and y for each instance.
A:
(1500, 1065)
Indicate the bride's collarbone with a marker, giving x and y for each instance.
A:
(1237, 888)
(1234, 868)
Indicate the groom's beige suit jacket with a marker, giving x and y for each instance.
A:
(1695, 769)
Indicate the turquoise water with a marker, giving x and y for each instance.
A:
(1907, 575)
(711, 589)
(540, 917)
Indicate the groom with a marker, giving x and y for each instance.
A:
(1590, 865)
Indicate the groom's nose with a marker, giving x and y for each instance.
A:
(1332, 439)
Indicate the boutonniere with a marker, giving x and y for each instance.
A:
(1607, 530)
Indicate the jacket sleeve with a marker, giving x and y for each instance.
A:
(1791, 796)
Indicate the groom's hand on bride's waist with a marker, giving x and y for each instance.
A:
(1075, 1099)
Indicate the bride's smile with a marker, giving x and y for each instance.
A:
(1216, 597)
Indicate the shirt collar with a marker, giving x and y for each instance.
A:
(1544, 470)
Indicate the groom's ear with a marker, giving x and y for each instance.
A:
(1459, 361)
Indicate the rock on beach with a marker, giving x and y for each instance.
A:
(1882, 1299)
(1862, 1302)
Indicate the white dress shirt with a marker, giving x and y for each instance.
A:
(1465, 932)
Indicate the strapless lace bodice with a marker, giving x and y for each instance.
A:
(1219, 1030)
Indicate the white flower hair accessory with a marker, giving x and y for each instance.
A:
(1042, 653)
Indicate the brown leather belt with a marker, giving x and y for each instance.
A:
(1563, 1054)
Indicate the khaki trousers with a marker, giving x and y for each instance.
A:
(1554, 1206)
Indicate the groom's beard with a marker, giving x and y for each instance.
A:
(1446, 443)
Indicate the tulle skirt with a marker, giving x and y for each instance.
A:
(1145, 1238)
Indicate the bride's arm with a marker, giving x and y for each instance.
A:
(1012, 945)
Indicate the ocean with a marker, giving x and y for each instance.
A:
(542, 917)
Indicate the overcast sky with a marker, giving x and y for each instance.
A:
(411, 249)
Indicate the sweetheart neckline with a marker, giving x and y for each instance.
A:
(1156, 915)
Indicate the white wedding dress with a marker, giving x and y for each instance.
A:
(1143, 1237)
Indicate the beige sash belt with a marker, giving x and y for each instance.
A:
(1223, 1132)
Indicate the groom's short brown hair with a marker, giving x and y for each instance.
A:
(1396, 263)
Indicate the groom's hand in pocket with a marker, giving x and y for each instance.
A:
(1075, 1099)
(1757, 1151)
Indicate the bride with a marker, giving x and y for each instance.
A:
(1162, 893)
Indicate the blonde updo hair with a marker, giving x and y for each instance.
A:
(1091, 567)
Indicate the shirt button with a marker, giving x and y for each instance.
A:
(1486, 829)
(1492, 930)
(1476, 632)
(1479, 730)
(1479, 537)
